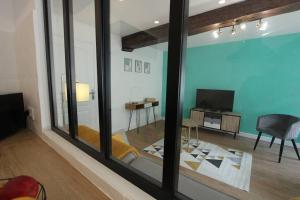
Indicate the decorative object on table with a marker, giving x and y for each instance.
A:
(150, 99)
(230, 166)
(127, 65)
(284, 127)
(147, 68)
(137, 107)
(138, 66)
(22, 187)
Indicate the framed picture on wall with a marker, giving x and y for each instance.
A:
(127, 65)
(147, 68)
(138, 66)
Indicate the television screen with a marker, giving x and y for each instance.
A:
(215, 100)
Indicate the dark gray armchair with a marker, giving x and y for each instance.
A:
(284, 127)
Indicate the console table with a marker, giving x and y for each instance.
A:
(138, 106)
(216, 120)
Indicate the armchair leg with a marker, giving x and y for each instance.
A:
(272, 141)
(258, 137)
(281, 150)
(296, 149)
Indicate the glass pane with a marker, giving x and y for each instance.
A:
(234, 75)
(58, 69)
(136, 83)
(86, 72)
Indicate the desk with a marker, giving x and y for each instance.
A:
(137, 107)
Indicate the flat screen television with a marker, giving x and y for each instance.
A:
(215, 100)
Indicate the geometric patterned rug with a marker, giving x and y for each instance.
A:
(230, 166)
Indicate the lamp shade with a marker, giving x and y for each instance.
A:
(82, 92)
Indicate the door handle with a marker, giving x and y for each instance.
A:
(92, 93)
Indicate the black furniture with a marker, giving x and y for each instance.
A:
(12, 115)
(284, 127)
(215, 100)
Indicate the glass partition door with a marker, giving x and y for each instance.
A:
(58, 69)
(136, 84)
(84, 47)
(240, 101)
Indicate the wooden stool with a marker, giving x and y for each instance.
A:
(189, 124)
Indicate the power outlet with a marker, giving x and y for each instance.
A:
(31, 113)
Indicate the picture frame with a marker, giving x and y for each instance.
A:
(147, 68)
(127, 65)
(138, 66)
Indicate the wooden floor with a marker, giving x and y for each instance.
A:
(26, 154)
(269, 179)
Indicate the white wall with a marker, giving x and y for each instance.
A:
(7, 18)
(26, 65)
(9, 82)
(132, 86)
(41, 68)
(17, 55)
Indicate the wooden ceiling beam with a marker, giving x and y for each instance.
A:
(245, 11)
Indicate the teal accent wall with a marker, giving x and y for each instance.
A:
(264, 73)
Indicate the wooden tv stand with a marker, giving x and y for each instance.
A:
(228, 122)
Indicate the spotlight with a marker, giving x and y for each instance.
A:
(262, 26)
(156, 22)
(233, 31)
(220, 31)
(222, 2)
(243, 26)
(216, 34)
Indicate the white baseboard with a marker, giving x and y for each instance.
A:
(266, 139)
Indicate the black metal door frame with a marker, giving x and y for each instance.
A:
(175, 74)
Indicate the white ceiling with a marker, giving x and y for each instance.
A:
(141, 14)
(129, 16)
(277, 25)
(137, 15)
